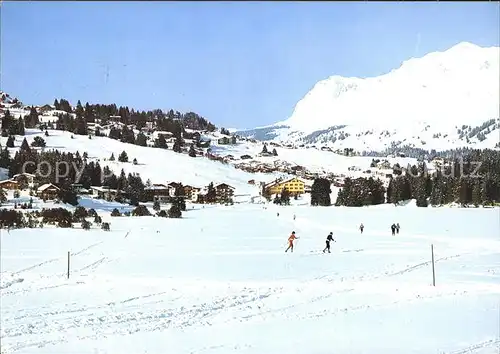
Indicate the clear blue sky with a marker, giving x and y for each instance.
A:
(239, 65)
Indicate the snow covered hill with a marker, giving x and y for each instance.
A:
(165, 165)
(158, 165)
(218, 281)
(441, 101)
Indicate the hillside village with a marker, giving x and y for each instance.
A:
(281, 170)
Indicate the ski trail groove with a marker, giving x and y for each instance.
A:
(472, 348)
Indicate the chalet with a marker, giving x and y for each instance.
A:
(384, 165)
(252, 181)
(93, 128)
(298, 168)
(158, 192)
(105, 193)
(294, 186)
(338, 183)
(198, 195)
(225, 140)
(204, 143)
(245, 157)
(165, 134)
(224, 192)
(45, 108)
(196, 136)
(228, 158)
(9, 184)
(173, 185)
(190, 190)
(48, 191)
(26, 179)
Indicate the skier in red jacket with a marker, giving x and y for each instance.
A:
(290, 241)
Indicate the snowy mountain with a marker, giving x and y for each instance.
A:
(443, 100)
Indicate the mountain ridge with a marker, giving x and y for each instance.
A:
(439, 92)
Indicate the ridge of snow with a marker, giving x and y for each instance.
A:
(459, 85)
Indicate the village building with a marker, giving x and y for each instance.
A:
(224, 193)
(204, 143)
(79, 189)
(159, 192)
(45, 109)
(105, 193)
(25, 180)
(165, 134)
(198, 195)
(189, 191)
(93, 128)
(48, 191)
(9, 184)
(294, 186)
(225, 140)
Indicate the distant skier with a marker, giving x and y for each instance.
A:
(361, 227)
(397, 228)
(393, 229)
(290, 241)
(329, 238)
(294, 217)
(277, 214)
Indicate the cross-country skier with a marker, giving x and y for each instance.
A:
(290, 241)
(329, 238)
(393, 229)
(361, 227)
(397, 228)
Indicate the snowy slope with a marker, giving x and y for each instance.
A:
(316, 161)
(158, 165)
(161, 166)
(427, 96)
(218, 281)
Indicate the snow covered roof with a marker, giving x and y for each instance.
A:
(157, 187)
(103, 189)
(156, 134)
(45, 186)
(24, 174)
(283, 181)
(223, 184)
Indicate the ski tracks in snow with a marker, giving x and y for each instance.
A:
(56, 259)
(125, 317)
(492, 343)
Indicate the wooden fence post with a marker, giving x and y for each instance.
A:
(68, 264)
(433, 271)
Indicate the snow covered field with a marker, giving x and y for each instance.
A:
(218, 281)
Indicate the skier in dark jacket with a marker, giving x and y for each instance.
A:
(393, 229)
(329, 238)
(397, 228)
(361, 227)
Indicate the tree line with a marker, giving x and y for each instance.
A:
(473, 179)
(161, 120)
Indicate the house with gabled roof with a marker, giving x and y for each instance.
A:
(48, 191)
